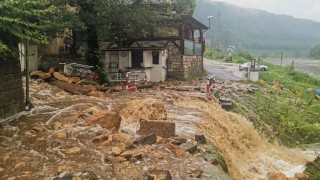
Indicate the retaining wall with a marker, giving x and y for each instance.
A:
(11, 89)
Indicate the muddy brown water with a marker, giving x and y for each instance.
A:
(28, 154)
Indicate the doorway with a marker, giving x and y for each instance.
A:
(137, 58)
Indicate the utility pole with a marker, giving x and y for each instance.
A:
(28, 104)
(281, 57)
(218, 31)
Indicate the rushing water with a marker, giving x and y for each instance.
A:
(51, 140)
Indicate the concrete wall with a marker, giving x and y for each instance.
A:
(11, 89)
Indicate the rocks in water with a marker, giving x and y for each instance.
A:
(150, 139)
(201, 139)
(56, 125)
(276, 176)
(160, 128)
(189, 147)
(107, 119)
(116, 151)
(20, 165)
(38, 128)
(60, 135)
(100, 138)
(196, 173)
(159, 175)
(301, 176)
(73, 150)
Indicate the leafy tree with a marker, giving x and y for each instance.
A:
(116, 20)
(315, 52)
(30, 20)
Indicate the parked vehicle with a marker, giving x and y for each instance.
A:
(246, 66)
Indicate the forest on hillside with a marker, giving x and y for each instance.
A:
(258, 31)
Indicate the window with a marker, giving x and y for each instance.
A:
(155, 57)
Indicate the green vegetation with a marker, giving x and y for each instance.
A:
(315, 52)
(291, 115)
(313, 169)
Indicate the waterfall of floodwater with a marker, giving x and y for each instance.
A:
(248, 155)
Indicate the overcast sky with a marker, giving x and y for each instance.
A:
(306, 9)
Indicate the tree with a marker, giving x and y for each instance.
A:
(115, 20)
(315, 52)
(31, 20)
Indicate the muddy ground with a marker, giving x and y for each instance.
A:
(67, 137)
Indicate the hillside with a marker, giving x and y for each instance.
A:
(258, 30)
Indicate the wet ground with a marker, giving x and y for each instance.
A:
(223, 71)
(53, 142)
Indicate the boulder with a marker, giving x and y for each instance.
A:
(56, 125)
(116, 151)
(38, 128)
(196, 173)
(150, 139)
(276, 176)
(159, 175)
(100, 138)
(160, 128)
(73, 150)
(106, 119)
(60, 135)
(201, 139)
(189, 147)
(301, 176)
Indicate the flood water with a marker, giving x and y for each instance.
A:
(51, 141)
(309, 66)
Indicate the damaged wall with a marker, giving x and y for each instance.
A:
(181, 67)
(11, 89)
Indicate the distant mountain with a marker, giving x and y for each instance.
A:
(257, 30)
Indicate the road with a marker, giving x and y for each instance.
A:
(223, 71)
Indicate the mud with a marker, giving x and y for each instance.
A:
(52, 140)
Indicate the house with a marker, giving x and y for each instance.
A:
(178, 54)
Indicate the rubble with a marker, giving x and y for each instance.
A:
(106, 119)
(159, 175)
(149, 139)
(201, 139)
(160, 128)
(189, 147)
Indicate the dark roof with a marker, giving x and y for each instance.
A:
(195, 24)
(134, 48)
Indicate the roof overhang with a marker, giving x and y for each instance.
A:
(135, 49)
(194, 23)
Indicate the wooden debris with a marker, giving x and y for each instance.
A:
(60, 77)
(71, 88)
(40, 74)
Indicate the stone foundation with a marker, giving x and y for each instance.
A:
(11, 89)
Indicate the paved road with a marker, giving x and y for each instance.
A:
(223, 71)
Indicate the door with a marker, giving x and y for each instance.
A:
(114, 63)
(137, 58)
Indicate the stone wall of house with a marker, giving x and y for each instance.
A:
(193, 66)
(175, 63)
(11, 89)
